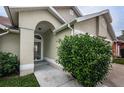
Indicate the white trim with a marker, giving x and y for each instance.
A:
(53, 63)
(50, 9)
(26, 66)
(4, 33)
(56, 14)
(26, 28)
(86, 17)
(14, 31)
(89, 16)
(77, 11)
(2, 26)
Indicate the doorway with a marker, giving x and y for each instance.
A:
(38, 48)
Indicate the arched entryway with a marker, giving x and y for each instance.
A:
(41, 28)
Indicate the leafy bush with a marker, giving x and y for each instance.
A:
(8, 64)
(118, 60)
(86, 58)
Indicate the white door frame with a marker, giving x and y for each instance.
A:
(36, 40)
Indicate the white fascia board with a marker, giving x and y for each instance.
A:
(77, 11)
(94, 15)
(65, 26)
(111, 32)
(2, 26)
(56, 14)
(14, 31)
(60, 28)
(4, 33)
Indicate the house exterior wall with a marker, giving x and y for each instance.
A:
(30, 19)
(26, 51)
(27, 22)
(51, 42)
(103, 28)
(87, 26)
(67, 13)
(90, 26)
(10, 43)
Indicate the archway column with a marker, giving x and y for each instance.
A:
(26, 51)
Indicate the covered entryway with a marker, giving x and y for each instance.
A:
(35, 29)
(42, 28)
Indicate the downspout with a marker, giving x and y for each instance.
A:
(69, 26)
(97, 26)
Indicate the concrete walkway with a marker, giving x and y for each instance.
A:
(49, 76)
(116, 76)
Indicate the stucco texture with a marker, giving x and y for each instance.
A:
(10, 43)
(89, 26)
(67, 13)
(103, 28)
(51, 42)
(30, 19)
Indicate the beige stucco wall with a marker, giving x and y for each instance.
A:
(27, 23)
(26, 51)
(30, 19)
(51, 44)
(103, 28)
(67, 13)
(88, 26)
(10, 43)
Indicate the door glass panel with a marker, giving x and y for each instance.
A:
(37, 48)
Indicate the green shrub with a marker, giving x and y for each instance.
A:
(8, 64)
(86, 58)
(118, 60)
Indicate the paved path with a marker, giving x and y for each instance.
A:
(49, 76)
(116, 76)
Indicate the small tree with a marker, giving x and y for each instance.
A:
(86, 58)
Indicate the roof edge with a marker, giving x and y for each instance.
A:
(89, 16)
(56, 14)
(9, 14)
(77, 11)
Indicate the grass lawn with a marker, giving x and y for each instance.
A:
(16, 81)
(118, 60)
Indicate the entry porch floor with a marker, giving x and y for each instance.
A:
(49, 76)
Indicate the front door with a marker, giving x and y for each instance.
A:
(37, 50)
